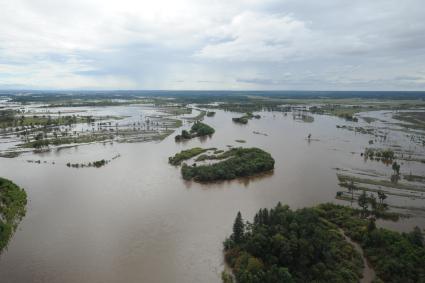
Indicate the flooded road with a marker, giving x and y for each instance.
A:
(136, 220)
(368, 272)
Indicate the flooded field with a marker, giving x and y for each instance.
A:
(137, 220)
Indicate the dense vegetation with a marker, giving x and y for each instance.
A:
(396, 257)
(198, 129)
(178, 158)
(12, 208)
(244, 119)
(305, 246)
(238, 162)
(282, 245)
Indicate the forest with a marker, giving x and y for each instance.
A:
(13, 200)
(239, 162)
(282, 245)
(306, 245)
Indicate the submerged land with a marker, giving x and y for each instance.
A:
(350, 165)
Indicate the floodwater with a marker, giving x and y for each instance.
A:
(136, 220)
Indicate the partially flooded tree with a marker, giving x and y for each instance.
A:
(382, 196)
(396, 168)
(351, 188)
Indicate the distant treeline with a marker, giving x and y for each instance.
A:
(202, 96)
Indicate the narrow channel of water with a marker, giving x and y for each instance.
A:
(368, 272)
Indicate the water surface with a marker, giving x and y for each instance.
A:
(136, 220)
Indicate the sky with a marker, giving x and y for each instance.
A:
(212, 44)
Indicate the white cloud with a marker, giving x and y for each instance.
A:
(260, 37)
(210, 44)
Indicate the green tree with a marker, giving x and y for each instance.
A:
(238, 228)
(363, 202)
(416, 237)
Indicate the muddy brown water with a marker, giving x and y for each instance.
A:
(136, 220)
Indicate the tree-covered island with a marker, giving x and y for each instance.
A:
(198, 129)
(234, 163)
(244, 119)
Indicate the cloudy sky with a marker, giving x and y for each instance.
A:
(213, 44)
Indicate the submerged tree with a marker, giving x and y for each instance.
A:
(382, 196)
(396, 168)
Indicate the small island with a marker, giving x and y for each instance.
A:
(96, 164)
(13, 201)
(198, 129)
(234, 163)
(244, 119)
(327, 243)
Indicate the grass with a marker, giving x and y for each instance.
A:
(176, 110)
(37, 120)
(362, 188)
(415, 120)
(68, 140)
(183, 155)
(198, 117)
(414, 178)
(384, 183)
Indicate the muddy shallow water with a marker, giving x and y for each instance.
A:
(136, 220)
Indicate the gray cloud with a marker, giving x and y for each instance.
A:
(188, 44)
